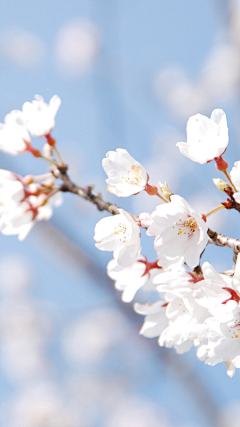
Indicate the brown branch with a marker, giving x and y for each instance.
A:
(87, 193)
(221, 240)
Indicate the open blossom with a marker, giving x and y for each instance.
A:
(222, 343)
(126, 176)
(130, 279)
(39, 116)
(180, 233)
(19, 219)
(11, 188)
(155, 318)
(206, 138)
(21, 206)
(202, 311)
(120, 234)
(235, 176)
(14, 135)
(186, 320)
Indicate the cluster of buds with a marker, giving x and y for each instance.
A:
(196, 306)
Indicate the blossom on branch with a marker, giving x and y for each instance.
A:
(180, 233)
(21, 204)
(120, 234)
(126, 176)
(206, 138)
(130, 279)
(155, 321)
(235, 177)
(222, 342)
(14, 135)
(39, 116)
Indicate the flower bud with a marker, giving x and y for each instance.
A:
(165, 190)
(223, 186)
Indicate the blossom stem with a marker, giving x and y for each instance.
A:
(218, 208)
(52, 193)
(48, 160)
(58, 154)
(229, 179)
(42, 177)
(161, 197)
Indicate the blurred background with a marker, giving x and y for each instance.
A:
(129, 74)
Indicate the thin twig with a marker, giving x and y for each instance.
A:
(87, 193)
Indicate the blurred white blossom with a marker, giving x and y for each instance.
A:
(77, 45)
(22, 48)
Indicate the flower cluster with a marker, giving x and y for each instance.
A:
(25, 200)
(196, 305)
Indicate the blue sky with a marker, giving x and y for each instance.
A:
(113, 102)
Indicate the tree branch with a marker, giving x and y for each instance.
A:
(87, 193)
(221, 240)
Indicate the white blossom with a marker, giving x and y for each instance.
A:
(14, 135)
(120, 234)
(222, 342)
(126, 176)
(177, 319)
(45, 211)
(211, 292)
(17, 220)
(21, 206)
(11, 189)
(235, 177)
(186, 318)
(206, 138)
(130, 279)
(39, 116)
(180, 233)
(155, 321)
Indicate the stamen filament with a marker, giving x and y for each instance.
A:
(229, 179)
(58, 154)
(218, 208)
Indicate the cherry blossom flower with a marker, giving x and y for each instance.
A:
(177, 319)
(14, 135)
(11, 188)
(202, 311)
(206, 138)
(120, 234)
(17, 220)
(235, 177)
(21, 205)
(39, 116)
(155, 321)
(221, 344)
(130, 279)
(180, 233)
(223, 338)
(186, 321)
(212, 291)
(126, 176)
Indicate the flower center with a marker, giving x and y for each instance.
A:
(121, 231)
(235, 329)
(188, 226)
(134, 176)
